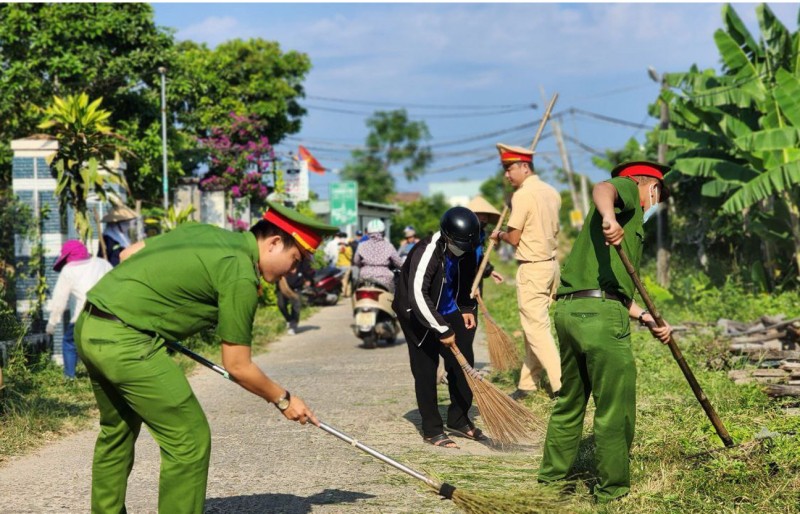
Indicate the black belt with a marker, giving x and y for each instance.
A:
(93, 310)
(594, 293)
(519, 261)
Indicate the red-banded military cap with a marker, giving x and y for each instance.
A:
(308, 232)
(647, 169)
(510, 154)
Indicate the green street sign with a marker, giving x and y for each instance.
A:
(344, 203)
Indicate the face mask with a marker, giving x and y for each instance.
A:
(458, 252)
(652, 209)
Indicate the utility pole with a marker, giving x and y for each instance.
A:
(564, 157)
(163, 71)
(562, 150)
(662, 213)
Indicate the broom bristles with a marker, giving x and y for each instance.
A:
(503, 354)
(533, 499)
(506, 421)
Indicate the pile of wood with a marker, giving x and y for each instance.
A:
(773, 344)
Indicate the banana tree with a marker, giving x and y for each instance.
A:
(86, 143)
(736, 133)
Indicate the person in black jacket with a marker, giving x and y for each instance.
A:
(435, 311)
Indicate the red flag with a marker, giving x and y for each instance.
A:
(313, 164)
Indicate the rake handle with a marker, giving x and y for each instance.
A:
(443, 489)
(722, 432)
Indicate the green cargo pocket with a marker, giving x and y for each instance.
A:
(101, 341)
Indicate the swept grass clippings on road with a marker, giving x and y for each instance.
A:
(41, 406)
(678, 463)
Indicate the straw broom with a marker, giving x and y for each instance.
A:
(505, 420)
(503, 353)
(538, 499)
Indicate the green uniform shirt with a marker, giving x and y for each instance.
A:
(593, 265)
(185, 281)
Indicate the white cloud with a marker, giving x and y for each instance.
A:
(214, 30)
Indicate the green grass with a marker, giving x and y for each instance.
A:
(41, 406)
(672, 469)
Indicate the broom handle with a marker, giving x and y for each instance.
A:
(327, 428)
(722, 432)
(485, 260)
(378, 455)
(543, 122)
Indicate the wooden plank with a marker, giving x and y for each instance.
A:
(783, 390)
(762, 338)
(770, 373)
(756, 355)
(790, 364)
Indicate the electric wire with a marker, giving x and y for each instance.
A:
(417, 116)
(421, 106)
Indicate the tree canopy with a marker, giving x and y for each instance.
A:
(114, 51)
(393, 141)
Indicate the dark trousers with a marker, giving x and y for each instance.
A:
(289, 307)
(424, 362)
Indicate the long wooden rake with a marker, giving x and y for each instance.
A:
(540, 499)
(712, 415)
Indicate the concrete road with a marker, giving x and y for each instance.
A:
(262, 463)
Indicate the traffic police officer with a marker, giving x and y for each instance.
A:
(592, 318)
(168, 288)
(533, 230)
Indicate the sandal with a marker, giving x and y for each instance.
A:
(441, 441)
(469, 431)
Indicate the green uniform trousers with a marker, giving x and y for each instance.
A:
(135, 381)
(596, 360)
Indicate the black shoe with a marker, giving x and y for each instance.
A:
(520, 394)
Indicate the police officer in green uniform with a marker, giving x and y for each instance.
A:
(592, 318)
(168, 288)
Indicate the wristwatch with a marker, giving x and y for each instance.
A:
(283, 403)
(641, 317)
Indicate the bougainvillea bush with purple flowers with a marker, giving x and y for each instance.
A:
(240, 155)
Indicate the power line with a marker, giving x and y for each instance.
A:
(421, 106)
(426, 116)
(603, 117)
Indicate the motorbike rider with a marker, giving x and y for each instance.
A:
(375, 257)
(435, 311)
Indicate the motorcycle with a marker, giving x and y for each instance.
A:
(374, 317)
(326, 287)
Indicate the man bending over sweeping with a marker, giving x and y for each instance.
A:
(592, 318)
(433, 304)
(167, 288)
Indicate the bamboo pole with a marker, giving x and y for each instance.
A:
(100, 234)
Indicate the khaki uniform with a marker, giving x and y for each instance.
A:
(534, 211)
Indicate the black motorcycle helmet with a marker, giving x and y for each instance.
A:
(461, 228)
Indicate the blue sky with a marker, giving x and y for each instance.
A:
(448, 62)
